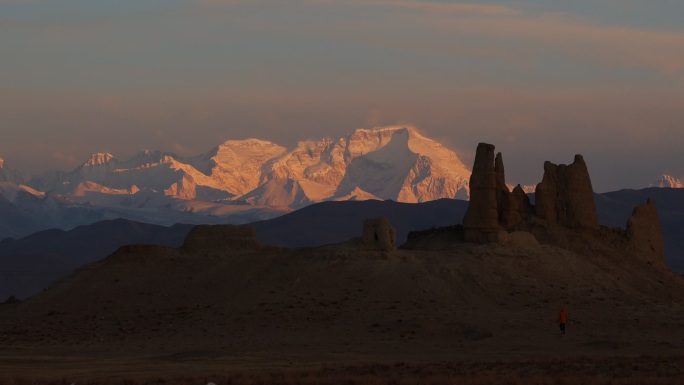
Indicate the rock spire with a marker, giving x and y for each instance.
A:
(481, 220)
(644, 232)
(565, 195)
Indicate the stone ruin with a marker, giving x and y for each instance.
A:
(492, 207)
(564, 197)
(481, 221)
(378, 234)
(221, 237)
(644, 232)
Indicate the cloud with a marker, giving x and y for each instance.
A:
(519, 36)
(64, 158)
(183, 150)
(564, 36)
(435, 7)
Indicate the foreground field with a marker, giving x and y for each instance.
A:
(580, 370)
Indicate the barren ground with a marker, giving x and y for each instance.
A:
(471, 314)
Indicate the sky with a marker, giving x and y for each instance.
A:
(540, 79)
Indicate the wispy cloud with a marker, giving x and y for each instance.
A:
(517, 35)
(432, 7)
(559, 35)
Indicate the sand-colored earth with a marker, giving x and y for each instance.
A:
(472, 313)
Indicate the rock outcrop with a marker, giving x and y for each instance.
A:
(521, 203)
(221, 238)
(565, 195)
(511, 207)
(565, 211)
(492, 206)
(379, 234)
(481, 221)
(644, 232)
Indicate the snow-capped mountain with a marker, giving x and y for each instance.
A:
(242, 180)
(394, 163)
(667, 181)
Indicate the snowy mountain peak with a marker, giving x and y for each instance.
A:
(364, 140)
(2, 163)
(667, 181)
(98, 159)
(384, 130)
(237, 164)
(247, 143)
(394, 162)
(148, 158)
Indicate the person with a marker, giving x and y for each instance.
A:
(562, 319)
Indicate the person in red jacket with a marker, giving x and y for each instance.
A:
(562, 319)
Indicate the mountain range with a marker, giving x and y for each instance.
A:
(239, 181)
(667, 181)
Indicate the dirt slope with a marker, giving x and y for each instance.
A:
(252, 308)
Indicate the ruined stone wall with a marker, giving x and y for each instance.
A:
(221, 237)
(379, 234)
(644, 232)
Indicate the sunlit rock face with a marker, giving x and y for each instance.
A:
(237, 165)
(394, 163)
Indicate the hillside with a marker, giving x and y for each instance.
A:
(334, 222)
(225, 308)
(31, 264)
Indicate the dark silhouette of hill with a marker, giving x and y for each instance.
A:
(334, 222)
(29, 264)
(32, 262)
(15, 221)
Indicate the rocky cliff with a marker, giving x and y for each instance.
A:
(564, 215)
